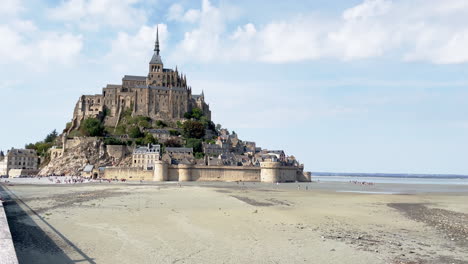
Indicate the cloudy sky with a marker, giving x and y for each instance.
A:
(355, 85)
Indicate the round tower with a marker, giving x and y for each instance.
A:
(160, 171)
(307, 176)
(185, 172)
(270, 172)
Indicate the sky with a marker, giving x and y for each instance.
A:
(344, 86)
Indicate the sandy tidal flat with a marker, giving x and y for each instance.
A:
(233, 223)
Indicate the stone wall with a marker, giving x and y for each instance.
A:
(225, 173)
(76, 141)
(13, 173)
(268, 172)
(118, 151)
(7, 249)
(128, 173)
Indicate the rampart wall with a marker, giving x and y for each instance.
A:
(128, 173)
(267, 172)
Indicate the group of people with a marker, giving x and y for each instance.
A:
(362, 183)
(66, 179)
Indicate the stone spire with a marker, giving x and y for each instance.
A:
(156, 59)
(156, 45)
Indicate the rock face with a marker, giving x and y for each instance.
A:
(77, 156)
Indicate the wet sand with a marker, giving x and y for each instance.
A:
(236, 223)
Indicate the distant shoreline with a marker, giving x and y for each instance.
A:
(390, 175)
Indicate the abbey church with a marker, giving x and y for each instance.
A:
(163, 94)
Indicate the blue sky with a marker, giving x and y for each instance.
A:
(357, 86)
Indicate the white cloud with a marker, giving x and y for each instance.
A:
(420, 30)
(134, 51)
(59, 48)
(37, 49)
(176, 13)
(11, 7)
(91, 14)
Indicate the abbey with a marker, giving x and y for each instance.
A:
(163, 94)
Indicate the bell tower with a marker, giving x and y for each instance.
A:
(155, 65)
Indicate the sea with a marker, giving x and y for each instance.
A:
(396, 179)
(391, 183)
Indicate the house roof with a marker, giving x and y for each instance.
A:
(147, 149)
(156, 59)
(158, 131)
(113, 86)
(88, 168)
(179, 150)
(134, 78)
(22, 152)
(162, 88)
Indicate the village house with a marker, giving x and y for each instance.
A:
(161, 134)
(19, 162)
(180, 155)
(144, 157)
(214, 149)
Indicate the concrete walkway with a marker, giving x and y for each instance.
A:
(7, 250)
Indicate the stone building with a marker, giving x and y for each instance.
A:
(214, 149)
(23, 161)
(161, 134)
(145, 157)
(178, 155)
(163, 94)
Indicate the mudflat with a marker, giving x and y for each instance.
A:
(233, 223)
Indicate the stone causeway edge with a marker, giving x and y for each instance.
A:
(7, 249)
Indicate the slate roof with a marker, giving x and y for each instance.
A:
(179, 150)
(88, 168)
(134, 78)
(22, 152)
(113, 86)
(162, 88)
(147, 149)
(156, 59)
(158, 131)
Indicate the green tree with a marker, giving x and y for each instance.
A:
(30, 146)
(194, 143)
(161, 124)
(199, 155)
(193, 129)
(173, 132)
(172, 142)
(188, 115)
(113, 141)
(51, 136)
(149, 139)
(134, 132)
(144, 124)
(92, 127)
(197, 113)
(42, 148)
(120, 129)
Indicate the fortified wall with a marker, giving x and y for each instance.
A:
(267, 172)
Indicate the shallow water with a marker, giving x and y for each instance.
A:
(396, 180)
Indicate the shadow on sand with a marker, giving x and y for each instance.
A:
(32, 244)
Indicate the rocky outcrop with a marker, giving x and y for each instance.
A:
(77, 156)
